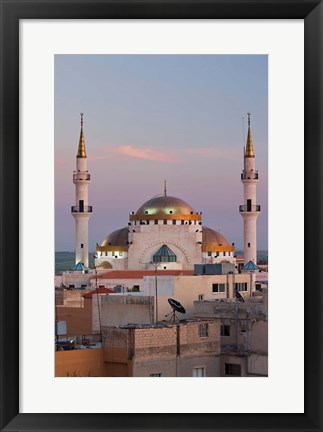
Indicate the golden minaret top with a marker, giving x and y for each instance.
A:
(249, 147)
(81, 153)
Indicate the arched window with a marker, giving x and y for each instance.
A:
(164, 254)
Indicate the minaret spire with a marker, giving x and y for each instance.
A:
(249, 147)
(249, 210)
(81, 211)
(81, 153)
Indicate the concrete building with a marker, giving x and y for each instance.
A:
(153, 299)
(187, 349)
(244, 333)
(79, 309)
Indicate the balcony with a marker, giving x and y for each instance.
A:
(81, 176)
(81, 209)
(249, 176)
(246, 208)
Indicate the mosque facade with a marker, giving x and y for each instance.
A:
(165, 233)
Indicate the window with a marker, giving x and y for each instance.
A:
(174, 222)
(232, 369)
(182, 222)
(243, 328)
(199, 372)
(120, 253)
(241, 286)
(165, 221)
(164, 254)
(258, 287)
(209, 253)
(248, 244)
(156, 222)
(218, 287)
(200, 297)
(204, 330)
(225, 330)
(82, 245)
(156, 375)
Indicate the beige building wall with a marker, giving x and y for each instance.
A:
(247, 343)
(173, 350)
(187, 289)
(124, 283)
(78, 319)
(124, 309)
(80, 363)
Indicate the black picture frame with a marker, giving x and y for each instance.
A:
(11, 12)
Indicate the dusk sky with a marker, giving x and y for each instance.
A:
(153, 117)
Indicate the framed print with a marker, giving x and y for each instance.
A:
(32, 36)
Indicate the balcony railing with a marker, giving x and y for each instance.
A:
(249, 176)
(80, 176)
(81, 209)
(246, 208)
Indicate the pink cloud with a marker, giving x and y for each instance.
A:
(147, 153)
(128, 151)
(213, 152)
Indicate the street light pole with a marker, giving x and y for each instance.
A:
(156, 265)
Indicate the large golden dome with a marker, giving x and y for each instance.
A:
(165, 207)
(213, 241)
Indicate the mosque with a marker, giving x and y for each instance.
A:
(165, 232)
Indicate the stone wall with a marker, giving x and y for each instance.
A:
(171, 350)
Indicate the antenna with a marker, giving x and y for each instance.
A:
(81, 114)
(165, 189)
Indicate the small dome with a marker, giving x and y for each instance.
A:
(117, 238)
(165, 205)
(212, 239)
(105, 265)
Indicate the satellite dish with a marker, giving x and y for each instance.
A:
(177, 307)
(239, 296)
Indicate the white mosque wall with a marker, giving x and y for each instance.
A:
(181, 239)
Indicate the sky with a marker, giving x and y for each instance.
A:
(147, 118)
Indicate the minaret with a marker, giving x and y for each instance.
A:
(81, 211)
(249, 210)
